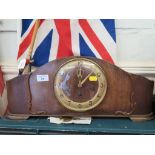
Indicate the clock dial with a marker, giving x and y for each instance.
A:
(80, 84)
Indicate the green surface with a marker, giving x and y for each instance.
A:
(98, 126)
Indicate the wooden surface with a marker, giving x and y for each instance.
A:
(98, 126)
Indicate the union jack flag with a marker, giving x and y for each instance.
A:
(57, 38)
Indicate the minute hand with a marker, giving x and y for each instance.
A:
(84, 80)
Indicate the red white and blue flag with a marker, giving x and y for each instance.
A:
(57, 38)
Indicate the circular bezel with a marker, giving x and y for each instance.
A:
(81, 106)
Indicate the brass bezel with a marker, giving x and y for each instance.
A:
(66, 104)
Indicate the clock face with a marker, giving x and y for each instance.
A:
(80, 84)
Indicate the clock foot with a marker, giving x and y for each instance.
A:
(19, 117)
(140, 118)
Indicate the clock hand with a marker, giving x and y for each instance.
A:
(85, 79)
(79, 75)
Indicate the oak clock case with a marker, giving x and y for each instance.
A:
(80, 86)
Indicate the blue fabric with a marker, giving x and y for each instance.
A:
(84, 48)
(25, 25)
(42, 53)
(110, 26)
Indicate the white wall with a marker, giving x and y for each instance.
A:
(135, 46)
